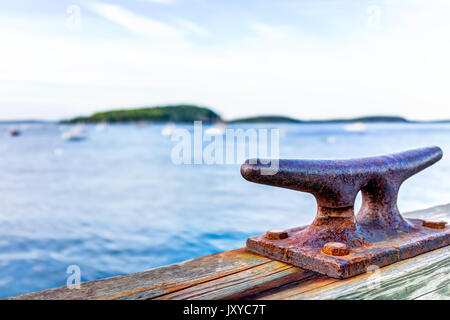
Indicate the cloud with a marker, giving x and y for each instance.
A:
(160, 1)
(147, 26)
(192, 27)
(400, 69)
(270, 32)
(141, 25)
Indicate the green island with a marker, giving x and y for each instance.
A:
(365, 119)
(175, 113)
(190, 113)
(278, 119)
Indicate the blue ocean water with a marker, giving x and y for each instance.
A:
(115, 203)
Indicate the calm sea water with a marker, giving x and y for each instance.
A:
(115, 203)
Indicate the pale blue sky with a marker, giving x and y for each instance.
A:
(307, 59)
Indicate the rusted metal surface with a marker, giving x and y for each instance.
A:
(276, 234)
(434, 224)
(377, 235)
(336, 249)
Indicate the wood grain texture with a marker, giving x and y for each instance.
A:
(440, 294)
(239, 274)
(407, 279)
(242, 284)
(158, 281)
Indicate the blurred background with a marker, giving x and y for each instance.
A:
(108, 197)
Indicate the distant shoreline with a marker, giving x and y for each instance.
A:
(281, 119)
(327, 121)
(191, 113)
(17, 122)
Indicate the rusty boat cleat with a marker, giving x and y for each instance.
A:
(338, 243)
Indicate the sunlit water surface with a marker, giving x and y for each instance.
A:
(116, 203)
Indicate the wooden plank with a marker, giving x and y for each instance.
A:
(242, 284)
(407, 279)
(239, 274)
(158, 281)
(440, 294)
(434, 296)
(287, 291)
(441, 212)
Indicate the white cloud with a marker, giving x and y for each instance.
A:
(270, 32)
(402, 69)
(147, 26)
(192, 27)
(160, 1)
(133, 22)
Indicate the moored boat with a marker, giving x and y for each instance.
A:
(75, 134)
(14, 133)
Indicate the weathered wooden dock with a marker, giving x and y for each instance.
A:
(239, 274)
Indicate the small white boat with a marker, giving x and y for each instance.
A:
(101, 126)
(168, 130)
(58, 152)
(142, 124)
(330, 139)
(75, 134)
(358, 127)
(216, 130)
